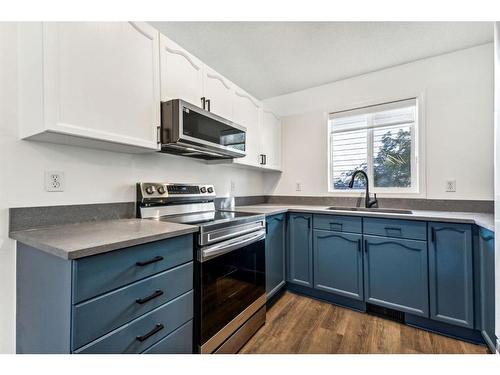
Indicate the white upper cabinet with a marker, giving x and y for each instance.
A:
(270, 140)
(93, 84)
(181, 73)
(246, 111)
(219, 91)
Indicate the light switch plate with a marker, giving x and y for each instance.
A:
(451, 186)
(54, 181)
(298, 186)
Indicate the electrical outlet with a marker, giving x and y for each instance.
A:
(298, 186)
(233, 186)
(54, 181)
(451, 186)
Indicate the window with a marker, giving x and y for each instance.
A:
(381, 140)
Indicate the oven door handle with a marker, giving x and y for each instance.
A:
(216, 250)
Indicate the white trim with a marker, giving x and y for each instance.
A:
(401, 103)
(183, 54)
(246, 96)
(219, 78)
(418, 183)
(272, 113)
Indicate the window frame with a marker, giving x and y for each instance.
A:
(417, 168)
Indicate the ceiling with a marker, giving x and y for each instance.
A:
(274, 58)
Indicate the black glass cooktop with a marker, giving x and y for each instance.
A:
(209, 217)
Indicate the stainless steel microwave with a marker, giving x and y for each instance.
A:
(191, 131)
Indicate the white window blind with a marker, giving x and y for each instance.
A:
(378, 139)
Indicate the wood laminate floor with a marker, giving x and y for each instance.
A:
(298, 324)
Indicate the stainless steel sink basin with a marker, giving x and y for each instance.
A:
(381, 210)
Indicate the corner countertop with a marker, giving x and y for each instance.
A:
(483, 220)
(73, 241)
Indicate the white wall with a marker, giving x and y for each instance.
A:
(91, 177)
(457, 93)
(497, 178)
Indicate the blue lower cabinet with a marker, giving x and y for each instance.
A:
(275, 254)
(451, 274)
(140, 334)
(178, 342)
(299, 251)
(395, 274)
(98, 316)
(486, 247)
(102, 273)
(122, 301)
(338, 263)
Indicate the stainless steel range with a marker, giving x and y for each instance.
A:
(230, 262)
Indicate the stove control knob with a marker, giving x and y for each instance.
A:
(210, 190)
(161, 189)
(150, 189)
(203, 189)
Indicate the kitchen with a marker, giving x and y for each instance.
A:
(237, 238)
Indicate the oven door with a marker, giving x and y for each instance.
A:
(232, 277)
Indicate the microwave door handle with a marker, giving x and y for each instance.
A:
(230, 245)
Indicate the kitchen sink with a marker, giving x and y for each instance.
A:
(381, 210)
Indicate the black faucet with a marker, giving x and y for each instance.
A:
(368, 202)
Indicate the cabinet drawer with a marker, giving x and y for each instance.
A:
(141, 333)
(337, 223)
(413, 230)
(98, 316)
(102, 273)
(178, 342)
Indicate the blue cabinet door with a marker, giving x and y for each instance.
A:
(451, 274)
(338, 263)
(487, 284)
(396, 274)
(299, 254)
(275, 254)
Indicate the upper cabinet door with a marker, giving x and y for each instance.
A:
(219, 91)
(100, 81)
(271, 139)
(247, 113)
(181, 73)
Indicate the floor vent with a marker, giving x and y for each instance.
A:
(386, 313)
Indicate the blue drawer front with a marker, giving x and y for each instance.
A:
(178, 342)
(99, 274)
(125, 339)
(337, 223)
(411, 229)
(98, 316)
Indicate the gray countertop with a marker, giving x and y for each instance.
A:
(79, 240)
(483, 220)
(73, 241)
